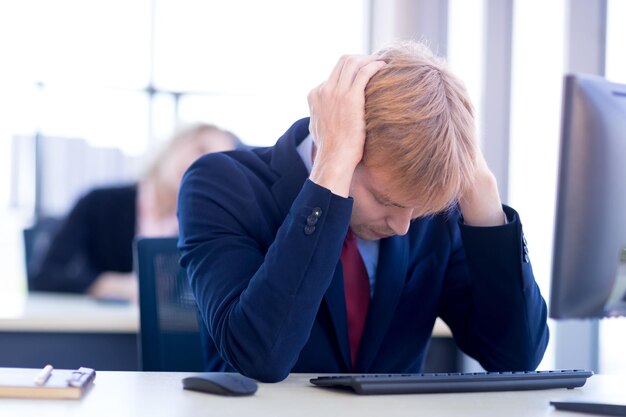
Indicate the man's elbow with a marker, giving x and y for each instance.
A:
(266, 374)
(531, 356)
(263, 368)
(538, 349)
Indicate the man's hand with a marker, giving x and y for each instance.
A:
(338, 122)
(481, 205)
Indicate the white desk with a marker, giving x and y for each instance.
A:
(52, 312)
(79, 313)
(68, 331)
(102, 335)
(160, 394)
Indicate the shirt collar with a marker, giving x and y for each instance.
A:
(305, 150)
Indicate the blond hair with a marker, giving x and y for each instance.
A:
(204, 138)
(197, 132)
(420, 124)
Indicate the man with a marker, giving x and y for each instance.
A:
(336, 249)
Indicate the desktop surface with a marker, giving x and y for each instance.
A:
(103, 335)
(161, 394)
(56, 312)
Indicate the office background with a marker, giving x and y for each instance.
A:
(107, 82)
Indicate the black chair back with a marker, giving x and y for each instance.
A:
(37, 239)
(169, 335)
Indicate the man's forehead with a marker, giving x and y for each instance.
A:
(398, 199)
(381, 183)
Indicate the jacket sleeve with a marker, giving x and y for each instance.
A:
(491, 300)
(258, 295)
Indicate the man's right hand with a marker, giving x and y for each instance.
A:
(337, 124)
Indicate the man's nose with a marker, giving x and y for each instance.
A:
(400, 220)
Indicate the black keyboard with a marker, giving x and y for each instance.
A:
(456, 382)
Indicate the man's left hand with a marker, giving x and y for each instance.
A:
(481, 205)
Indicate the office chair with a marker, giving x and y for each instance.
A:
(37, 239)
(169, 335)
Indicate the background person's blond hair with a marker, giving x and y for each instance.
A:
(164, 174)
(420, 124)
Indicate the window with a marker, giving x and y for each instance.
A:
(255, 79)
(465, 46)
(613, 331)
(615, 39)
(537, 79)
(122, 75)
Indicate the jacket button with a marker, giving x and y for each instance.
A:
(311, 220)
(308, 229)
(526, 258)
(317, 212)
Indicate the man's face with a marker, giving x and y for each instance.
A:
(379, 211)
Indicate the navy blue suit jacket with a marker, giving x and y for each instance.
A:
(272, 295)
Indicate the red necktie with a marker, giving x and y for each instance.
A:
(357, 291)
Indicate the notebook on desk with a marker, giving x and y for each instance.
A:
(45, 383)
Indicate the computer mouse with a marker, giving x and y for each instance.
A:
(220, 383)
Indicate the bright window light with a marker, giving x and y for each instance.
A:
(537, 79)
(252, 63)
(76, 69)
(466, 46)
(613, 331)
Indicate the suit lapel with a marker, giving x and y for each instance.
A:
(393, 260)
(286, 162)
(336, 301)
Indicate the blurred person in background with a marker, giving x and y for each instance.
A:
(92, 250)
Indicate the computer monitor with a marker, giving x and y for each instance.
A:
(589, 259)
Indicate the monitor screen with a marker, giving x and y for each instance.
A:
(589, 259)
